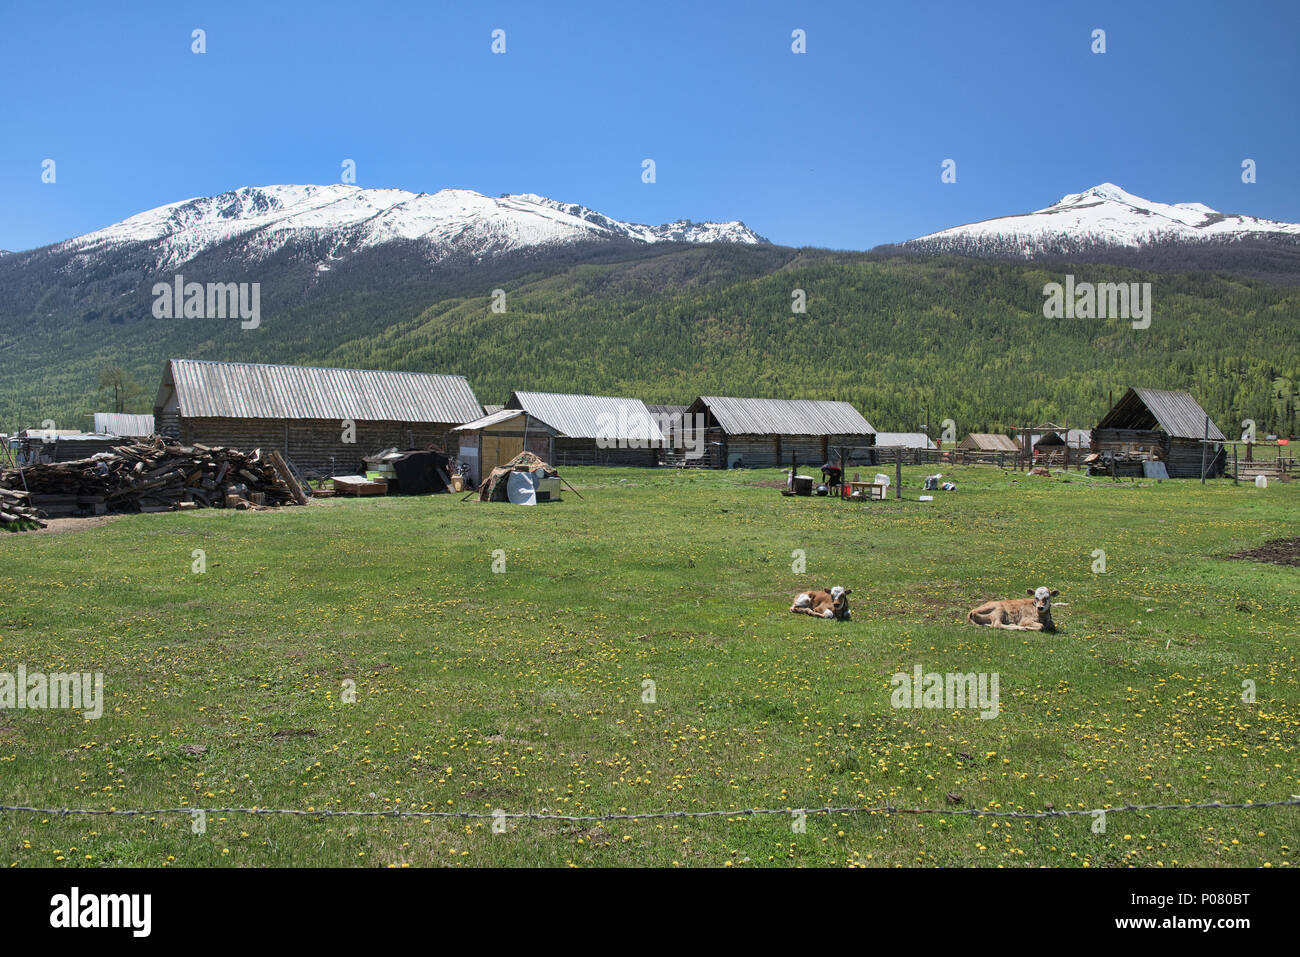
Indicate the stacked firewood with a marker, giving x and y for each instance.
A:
(16, 513)
(156, 475)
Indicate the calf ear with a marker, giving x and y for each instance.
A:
(1029, 591)
(848, 591)
(1055, 592)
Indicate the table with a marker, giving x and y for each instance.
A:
(865, 491)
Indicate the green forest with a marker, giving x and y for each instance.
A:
(905, 338)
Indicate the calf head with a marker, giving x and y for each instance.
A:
(840, 601)
(1043, 600)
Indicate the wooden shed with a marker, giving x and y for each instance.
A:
(1168, 426)
(322, 419)
(988, 442)
(497, 438)
(594, 429)
(769, 433)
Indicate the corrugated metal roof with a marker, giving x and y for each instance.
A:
(53, 436)
(246, 390)
(123, 424)
(784, 416)
(504, 415)
(1178, 414)
(906, 440)
(591, 416)
(492, 418)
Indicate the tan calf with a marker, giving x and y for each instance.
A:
(1018, 614)
(824, 604)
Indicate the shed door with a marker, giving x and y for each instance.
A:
(499, 449)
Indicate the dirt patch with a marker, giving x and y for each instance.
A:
(56, 525)
(1280, 551)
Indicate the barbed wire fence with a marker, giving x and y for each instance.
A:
(499, 815)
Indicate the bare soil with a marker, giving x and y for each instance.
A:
(1280, 551)
(54, 526)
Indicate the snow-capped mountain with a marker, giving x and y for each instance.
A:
(1102, 218)
(346, 219)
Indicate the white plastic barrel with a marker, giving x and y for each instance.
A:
(1261, 481)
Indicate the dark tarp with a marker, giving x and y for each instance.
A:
(419, 471)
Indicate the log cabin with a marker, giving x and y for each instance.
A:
(770, 433)
(1168, 426)
(322, 419)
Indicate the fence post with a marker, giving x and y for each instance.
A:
(1205, 447)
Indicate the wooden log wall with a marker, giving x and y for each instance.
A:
(585, 452)
(310, 443)
(777, 451)
(1182, 457)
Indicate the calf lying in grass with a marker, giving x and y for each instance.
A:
(1018, 614)
(824, 604)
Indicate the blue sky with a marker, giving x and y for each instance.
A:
(840, 146)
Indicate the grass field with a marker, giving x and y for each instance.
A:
(478, 690)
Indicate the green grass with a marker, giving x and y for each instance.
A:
(523, 690)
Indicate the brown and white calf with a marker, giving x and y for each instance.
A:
(824, 604)
(1018, 614)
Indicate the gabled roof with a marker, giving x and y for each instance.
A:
(990, 442)
(906, 440)
(1175, 413)
(495, 418)
(667, 409)
(591, 416)
(783, 416)
(248, 390)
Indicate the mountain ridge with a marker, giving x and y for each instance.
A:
(264, 219)
(1104, 217)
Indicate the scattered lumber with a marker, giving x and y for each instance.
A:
(17, 514)
(154, 475)
(287, 477)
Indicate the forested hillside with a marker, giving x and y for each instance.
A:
(899, 336)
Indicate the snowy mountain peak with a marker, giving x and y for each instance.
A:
(1104, 191)
(1105, 216)
(264, 219)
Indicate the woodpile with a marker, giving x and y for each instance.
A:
(16, 513)
(155, 475)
